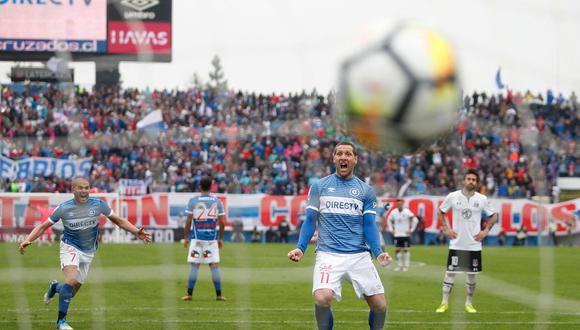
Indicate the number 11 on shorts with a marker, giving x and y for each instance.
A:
(324, 276)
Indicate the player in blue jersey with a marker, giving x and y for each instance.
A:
(205, 214)
(80, 218)
(343, 208)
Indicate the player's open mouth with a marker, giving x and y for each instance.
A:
(343, 166)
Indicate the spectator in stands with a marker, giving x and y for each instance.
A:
(256, 235)
(246, 136)
(283, 230)
(271, 235)
(521, 236)
(502, 238)
(419, 233)
(237, 231)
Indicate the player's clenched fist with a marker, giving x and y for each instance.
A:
(384, 259)
(23, 245)
(295, 255)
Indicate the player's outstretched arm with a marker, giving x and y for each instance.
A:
(34, 234)
(140, 233)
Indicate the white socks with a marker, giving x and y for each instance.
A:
(448, 281)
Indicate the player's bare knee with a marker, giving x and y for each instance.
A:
(323, 297)
(214, 265)
(377, 303)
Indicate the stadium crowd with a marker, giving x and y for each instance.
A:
(278, 144)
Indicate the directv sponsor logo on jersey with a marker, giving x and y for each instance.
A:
(340, 205)
(83, 224)
(47, 2)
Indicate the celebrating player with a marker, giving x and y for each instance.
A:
(80, 218)
(203, 213)
(465, 237)
(402, 222)
(343, 206)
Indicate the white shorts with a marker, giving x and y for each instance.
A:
(70, 255)
(203, 252)
(358, 269)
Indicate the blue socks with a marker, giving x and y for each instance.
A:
(377, 319)
(324, 318)
(215, 276)
(65, 293)
(192, 278)
(217, 282)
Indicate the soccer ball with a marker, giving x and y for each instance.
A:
(400, 90)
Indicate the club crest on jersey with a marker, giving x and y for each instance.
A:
(354, 192)
(92, 212)
(325, 267)
(476, 204)
(466, 213)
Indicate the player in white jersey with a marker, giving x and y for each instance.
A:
(80, 218)
(343, 207)
(465, 236)
(402, 222)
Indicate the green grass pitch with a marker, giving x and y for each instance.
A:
(138, 286)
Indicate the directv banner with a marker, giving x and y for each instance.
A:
(47, 26)
(167, 211)
(44, 166)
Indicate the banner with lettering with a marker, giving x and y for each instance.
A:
(167, 210)
(44, 166)
(132, 187)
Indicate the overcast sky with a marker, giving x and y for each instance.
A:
(287, 46)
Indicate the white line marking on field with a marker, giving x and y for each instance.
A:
(263, 309)
(246, 322)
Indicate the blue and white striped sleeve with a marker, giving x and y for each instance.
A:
(370, 202)
(314, 198)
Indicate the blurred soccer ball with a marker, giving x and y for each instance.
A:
(400, 90)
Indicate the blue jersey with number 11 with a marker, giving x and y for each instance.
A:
(205, 210)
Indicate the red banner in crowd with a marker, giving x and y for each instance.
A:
(167, 210)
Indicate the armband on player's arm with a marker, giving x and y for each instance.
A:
(372, 234)
(307, 229)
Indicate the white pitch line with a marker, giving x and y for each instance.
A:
(263, 309)
(339, 322)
